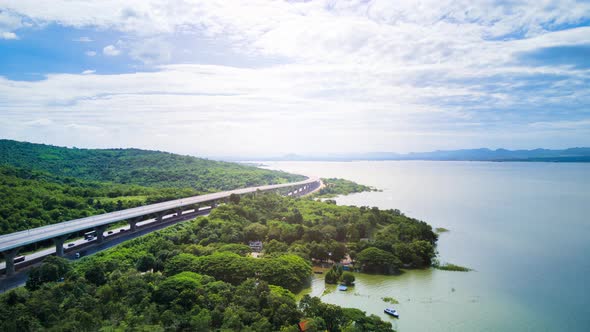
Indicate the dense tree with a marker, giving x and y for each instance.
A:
(196, 275)
(41, 184)
(53, 269)
(236, 248)
(255, 232)
(146, 262)
(360, 322)
(141, 167)
(275, 247)
(376, 260)
(418, 253)
(347, 278)
(334, 187)
(234, 198)
(333, 275)
(333, 318)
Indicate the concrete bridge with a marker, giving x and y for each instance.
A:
(10, 244)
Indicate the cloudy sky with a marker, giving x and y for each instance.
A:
(223, 77)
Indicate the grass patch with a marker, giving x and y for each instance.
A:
(327, 291)
(441, 230)
(390, 300)
(453, 267)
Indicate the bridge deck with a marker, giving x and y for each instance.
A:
(19, 239)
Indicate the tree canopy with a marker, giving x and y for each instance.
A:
(42, 184)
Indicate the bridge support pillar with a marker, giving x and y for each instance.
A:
(179, 212)
(159, 217)
(213, 204)
(133, 224)
(9, 257)
(59, 245)
(100, 233)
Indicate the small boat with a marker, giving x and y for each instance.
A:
(318, 272)
(392, 312)
(342, 288)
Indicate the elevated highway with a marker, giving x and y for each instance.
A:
(11, 243)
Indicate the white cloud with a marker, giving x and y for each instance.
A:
(111, 50)
(82, 40)
(582, 123)
(378, 32)
(88, 72)
(310, 108)
(42, 122)
(9, 21)
(151, 51)
(8, 35)
(368, 72)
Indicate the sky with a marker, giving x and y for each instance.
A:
(262, 78)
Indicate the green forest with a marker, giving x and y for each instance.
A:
(32, 199)
(199, 276)
(140, 167)
(334, 187)
(42, 184)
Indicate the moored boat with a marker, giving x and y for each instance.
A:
(392, 312)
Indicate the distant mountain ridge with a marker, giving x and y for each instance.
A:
(571, 154)
(577, 154)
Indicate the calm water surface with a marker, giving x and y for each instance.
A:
(523, 227)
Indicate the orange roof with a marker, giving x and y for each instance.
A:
(303, 325)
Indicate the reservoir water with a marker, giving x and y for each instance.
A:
(523, 227)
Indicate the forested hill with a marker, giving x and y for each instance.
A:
(42, 184)
(140, 167)
(32, 198)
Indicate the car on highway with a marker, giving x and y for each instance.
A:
(80, 254)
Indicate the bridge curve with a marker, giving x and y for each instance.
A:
(10, 243)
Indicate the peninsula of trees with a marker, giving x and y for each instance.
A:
(334, 187)
(199, 275)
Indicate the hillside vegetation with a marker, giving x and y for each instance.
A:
(33, 199)
(42, 184)
(140, 167)
(334, 187)
(198, 276)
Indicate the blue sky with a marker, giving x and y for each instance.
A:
(275, 77)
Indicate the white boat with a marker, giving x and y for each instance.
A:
(392, 312)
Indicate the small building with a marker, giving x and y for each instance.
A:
(303, 325)
(256, 246)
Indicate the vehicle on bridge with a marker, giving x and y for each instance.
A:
(11, 243)
(19, 259)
